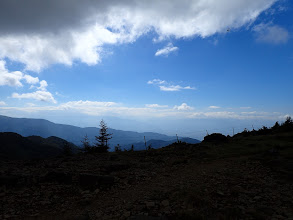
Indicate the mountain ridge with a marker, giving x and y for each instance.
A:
(15, 146)
(44, 128)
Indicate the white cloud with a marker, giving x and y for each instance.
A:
(170, 88)
(173, 88)
(86, 104)
(182, 111)
(156, 106)
(43, 85)
(166, 50)
(66, 31)
(9, 78)
(214, 107)
(31, 80)
(165, 86)
(38, 95)
(14, 78)
(156, 81)
(269, 33)
(247, 107)
(29, 104)
(183, 107)
(2, 103)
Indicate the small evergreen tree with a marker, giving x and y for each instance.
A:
(103, 138)
(117, 148)
(132, 148)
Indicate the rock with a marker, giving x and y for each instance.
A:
(139, 207)
(85, 192)
(59, 177)
(92, 181)
(220, 193)
(45, 202)
(165, 203)
(150, 204)
(9, 181)
(257, 197)
(127, 214)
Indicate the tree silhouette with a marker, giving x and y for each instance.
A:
(103, 138)
(86, 144)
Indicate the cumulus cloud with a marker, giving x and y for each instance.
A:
(269, 33)
(31, 80)
(43, 85)
(14, 78)
(166, 50)
(183, 107)
(41, 33)
(2, 103)
(38, 95)
(41, 94)
(9, 78)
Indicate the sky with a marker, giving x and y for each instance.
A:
(186, 67)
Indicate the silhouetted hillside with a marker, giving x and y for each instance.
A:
(40, 127)
(243, 177)
(14, 146)
(155, 144)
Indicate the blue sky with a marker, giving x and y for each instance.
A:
(167, 66)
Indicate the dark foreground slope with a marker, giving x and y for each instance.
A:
(14, 146)
(240, 178)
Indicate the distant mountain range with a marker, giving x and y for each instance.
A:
(44, 128)
(14, 146)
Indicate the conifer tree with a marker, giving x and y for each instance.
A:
(103, 138)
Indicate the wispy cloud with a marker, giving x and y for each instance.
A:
(38, 95)
(156, 106)
(214, 107)
(183, 111)
(166, 50)
(168, 87)
(156, 81)
(173, 88)
(2, 103)
(269, 33)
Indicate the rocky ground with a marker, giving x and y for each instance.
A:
(176, 182)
